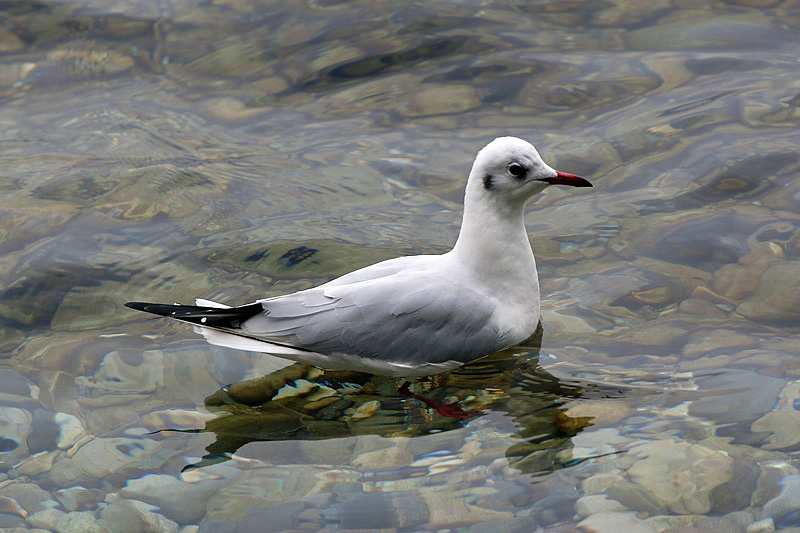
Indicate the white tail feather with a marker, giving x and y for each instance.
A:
(220, 338)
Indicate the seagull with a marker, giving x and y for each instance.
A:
(417, 315)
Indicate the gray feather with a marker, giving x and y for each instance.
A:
(393, 319)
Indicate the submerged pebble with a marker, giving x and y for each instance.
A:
(615, 521)
(680, 476)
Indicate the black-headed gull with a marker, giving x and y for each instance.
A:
(417, 315)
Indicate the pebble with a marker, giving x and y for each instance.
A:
(282, 517)
(432, 99)
(29, 495)
(762, 526)
(777, 299)
(770, 482)
(716, 341)
(633, 497)
(518, 524)
(738, 519)
(9, 42)
(679, 474)
(298, 387)
(15, 426)
(141, 513)
(614, 522)
(78, 498)
(37, 464)
(10, 522)
(596, 413)
(450, 510)
(783, 423)
(14, 388)
(100, 457)
(230, 108)
(388, 458)
(701, 308)
(71, 429)
(120, 374)
(787, 501)
(365, 410)
(46, 519)
(11, 506)
(79, 522)
(178, 500)
(215, 525)
(441, 467)
(118, 518)
(44, 431)
(755, 395)
(599, 483)
(598, 441)
(683, 523)
(597, 503)
(175, 419)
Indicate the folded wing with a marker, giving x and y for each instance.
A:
(403, 321)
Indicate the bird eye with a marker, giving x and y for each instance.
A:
(516, 170)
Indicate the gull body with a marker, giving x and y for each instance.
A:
(416, 315)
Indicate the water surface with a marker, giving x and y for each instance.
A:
(236, 150)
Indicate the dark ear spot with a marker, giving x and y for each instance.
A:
(487, 182)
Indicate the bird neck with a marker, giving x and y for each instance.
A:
(493, 244)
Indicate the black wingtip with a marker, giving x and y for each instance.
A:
(139, 306)
(220, 317)
(162, 309)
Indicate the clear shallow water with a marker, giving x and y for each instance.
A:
(233, 150)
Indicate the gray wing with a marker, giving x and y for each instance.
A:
(401, 319)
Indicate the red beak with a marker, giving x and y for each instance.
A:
(563, 178)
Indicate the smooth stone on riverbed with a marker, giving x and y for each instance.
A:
(46, 519)
(175, 419)
(762, 526)
(608, 522)
(597, 413)
(679, 474)
(101, 457)
(716, 341)
(71, 430)
(754, 395)
(599, 483)
(79, 522)
(37, 464)
(777, 299)
(387, 458)
(129, 516)
(782, 424)
(10, 506)
(633, 497)
(788, 501)
(448, 510)
(118, 518)
(15, 426)
(78, 498)
(30, 496)
(178, 500)
(597, 503)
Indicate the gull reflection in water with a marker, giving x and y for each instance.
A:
(301, 402)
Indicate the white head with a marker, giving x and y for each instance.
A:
(511, 170)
